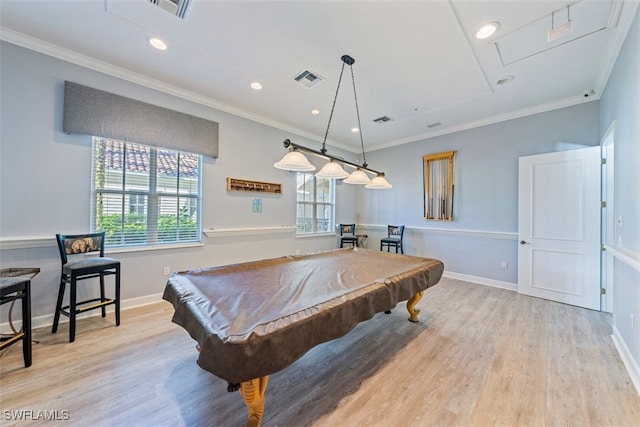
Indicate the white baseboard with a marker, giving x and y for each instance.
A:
(627, 358)
(482, 281)
(623, 350)
(47, 320)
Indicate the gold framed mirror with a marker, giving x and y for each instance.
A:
(438, 186)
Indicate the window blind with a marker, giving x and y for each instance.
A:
(143, 195)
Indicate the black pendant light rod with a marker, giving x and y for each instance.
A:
(346, 59)
(349, 61)
(288, 144)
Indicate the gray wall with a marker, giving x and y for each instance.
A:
(484, 232)
(45, 178)
(621, 103)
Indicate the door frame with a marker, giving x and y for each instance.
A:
(607, 217)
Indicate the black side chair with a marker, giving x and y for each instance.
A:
(76, 266)
(394, 237)
(348, 235)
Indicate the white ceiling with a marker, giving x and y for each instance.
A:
(416, 62)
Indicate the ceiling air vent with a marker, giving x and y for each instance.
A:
(308, 78)
(434, 125)
(179, 8)
(383, 119)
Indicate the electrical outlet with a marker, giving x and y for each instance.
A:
(166, 271)
(504, 264)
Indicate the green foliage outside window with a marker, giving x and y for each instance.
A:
(133, 230)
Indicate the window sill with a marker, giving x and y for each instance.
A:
(125, 249)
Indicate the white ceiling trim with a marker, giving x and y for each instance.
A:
(103, 67)
(622, 20)
(543, 108)
(55, 51)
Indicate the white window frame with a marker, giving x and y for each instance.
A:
(312, 228)
(135, 205)
(180, 200)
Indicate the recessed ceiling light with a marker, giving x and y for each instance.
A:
(315, 111)
(504, 80)
(157, 43)
(256, 86)
(354, 130)
(487, 30)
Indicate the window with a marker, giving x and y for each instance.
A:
(315, 204)
(144, 195)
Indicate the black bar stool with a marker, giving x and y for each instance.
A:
(394, 238)
(81, 268)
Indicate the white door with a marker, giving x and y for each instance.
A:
(559, 227)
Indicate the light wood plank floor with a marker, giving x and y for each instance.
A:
(479, 357)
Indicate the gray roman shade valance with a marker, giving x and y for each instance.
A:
(94, 112)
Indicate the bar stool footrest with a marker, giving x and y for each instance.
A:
(93, 305)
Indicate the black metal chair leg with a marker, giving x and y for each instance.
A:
(72, 310)
(56, 316)
(117, 296)
(26, 325)
(103, 309)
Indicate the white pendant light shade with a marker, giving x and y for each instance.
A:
(378, 183)
(357, 177)
(296, 162)
(332, 170)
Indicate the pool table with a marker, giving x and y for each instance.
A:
(253, 319)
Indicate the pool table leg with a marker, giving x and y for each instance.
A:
(252, 392)
(411, 304)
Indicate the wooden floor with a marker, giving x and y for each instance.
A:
(479, 357)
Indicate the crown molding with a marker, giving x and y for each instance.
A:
(524, 112)
(72, 57)
(622, 17)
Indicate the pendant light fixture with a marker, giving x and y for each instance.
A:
(378, 183)
(294, 160)
(332, 170)
(357, 177)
